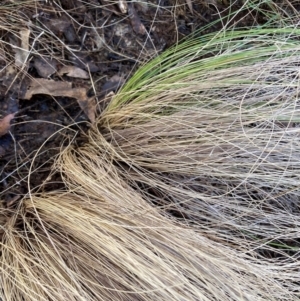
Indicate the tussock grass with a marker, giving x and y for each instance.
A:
(103, 241)
(215, 138)
(188, 188)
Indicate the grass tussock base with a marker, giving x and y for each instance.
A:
(187, 190)
(102, 241)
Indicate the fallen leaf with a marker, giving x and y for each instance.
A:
(54, 88)
(113, 84)
(109, 6)
(88, 106)
(136, 23)
(45, 67)
(190, 5)
(142, 5)
(21, 53)
(65, 26)
(73, 71)
(98, 38)
(8, 74)
(5, 124)
(122, 4)
(84, 61)
(65, 89)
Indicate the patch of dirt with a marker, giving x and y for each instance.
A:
(58, 61)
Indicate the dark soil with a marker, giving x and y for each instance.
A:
(106, 42)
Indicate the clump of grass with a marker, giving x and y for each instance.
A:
(188, 187)
(209, 132)
(102, 241)
(211, 129)
(186, 190)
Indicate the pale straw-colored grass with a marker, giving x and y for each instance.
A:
(103, 241)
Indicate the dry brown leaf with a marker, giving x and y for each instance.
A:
(60, 24)
(49, 87)
(122, 4)
(54, 88)
(190, 5)
(21, 53)
(84, 61)
(44, 66)
(109, 6)
(7, 75)
(142, 5)
(73, 71)
(135, 20)
(113, 84)
(88, 106)
(5, 124)
(65, 26)
(98, 38)
(58, 88)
